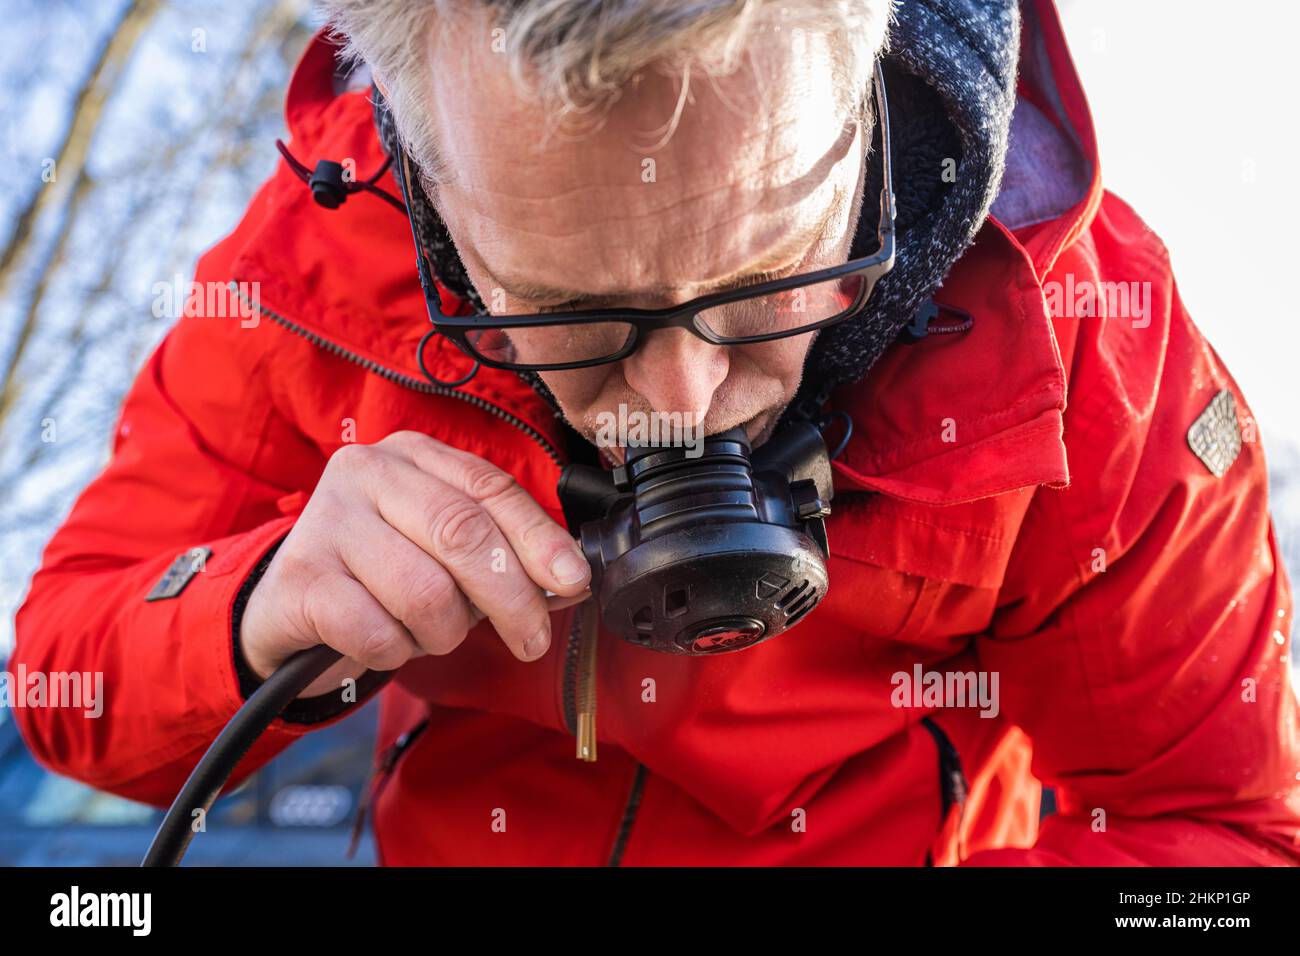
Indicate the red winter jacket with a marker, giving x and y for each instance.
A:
(1066, 537)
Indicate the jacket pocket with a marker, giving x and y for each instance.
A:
(878, 604)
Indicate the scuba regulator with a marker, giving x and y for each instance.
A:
(706, 552)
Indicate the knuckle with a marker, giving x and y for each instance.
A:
(444, 641)
(522, 607)
(353, 459)
(292, 566)
(383, 647)
(350, 454)
(307, 555)
(313, 604)
(543, 538)
(407, 440)
(429, 598)
(459, 527)
(485, 481)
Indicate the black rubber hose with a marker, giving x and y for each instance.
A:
(250, 721)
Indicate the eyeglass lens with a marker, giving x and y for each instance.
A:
(786, 312)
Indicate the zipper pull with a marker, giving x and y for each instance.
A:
(586, 689)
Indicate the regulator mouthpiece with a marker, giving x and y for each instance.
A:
(706, 552)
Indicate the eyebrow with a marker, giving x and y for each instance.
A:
(523, 287)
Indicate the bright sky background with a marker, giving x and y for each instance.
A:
(1195, 107)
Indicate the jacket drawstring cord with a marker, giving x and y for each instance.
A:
(330, 189)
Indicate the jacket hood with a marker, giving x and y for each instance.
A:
(950, 74)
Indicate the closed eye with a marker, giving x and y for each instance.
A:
(595, 302)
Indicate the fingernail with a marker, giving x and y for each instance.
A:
(569, 568)
(536, 645)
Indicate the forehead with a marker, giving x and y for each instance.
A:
(753, 157)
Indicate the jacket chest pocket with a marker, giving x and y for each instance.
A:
(919, 576)
(880, 604)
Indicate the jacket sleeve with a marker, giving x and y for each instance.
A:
(196, 463)
(1142, 634)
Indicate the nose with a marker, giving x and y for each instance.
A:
(676, 371)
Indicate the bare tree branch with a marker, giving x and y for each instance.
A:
(70, 157)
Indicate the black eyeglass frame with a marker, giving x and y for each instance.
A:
(643, 321)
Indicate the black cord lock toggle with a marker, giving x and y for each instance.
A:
(330, 188)
(327, 185)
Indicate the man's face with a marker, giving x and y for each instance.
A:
(760, 179)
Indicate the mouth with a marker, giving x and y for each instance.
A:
(758, 429)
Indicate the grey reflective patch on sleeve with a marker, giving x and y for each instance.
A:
(1215, 436)
(179, 573)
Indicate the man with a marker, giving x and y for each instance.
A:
(1062, 498)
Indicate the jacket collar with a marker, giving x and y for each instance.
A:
(957, 418)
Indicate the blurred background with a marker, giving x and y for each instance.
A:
(161, 117)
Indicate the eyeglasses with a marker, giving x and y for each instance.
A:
(761, 312)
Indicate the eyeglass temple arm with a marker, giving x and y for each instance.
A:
(887, 212)
(421, 262)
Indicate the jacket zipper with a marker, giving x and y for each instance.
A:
(399, 378)
(629, 815)
(379, 777)
(580, 713)
(579, 686)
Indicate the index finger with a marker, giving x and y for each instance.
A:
(548, 553)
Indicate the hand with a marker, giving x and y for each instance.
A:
(404, 546)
